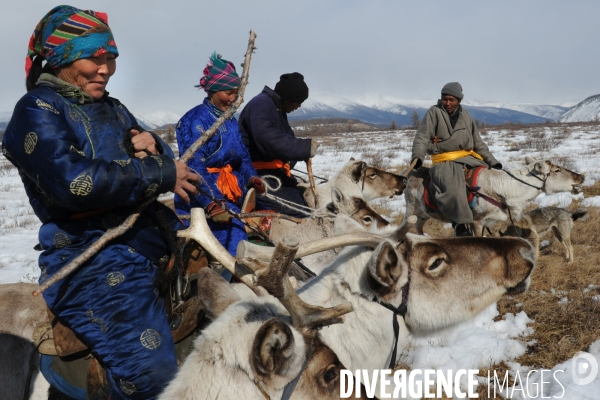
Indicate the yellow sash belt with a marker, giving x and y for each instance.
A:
(453, 155)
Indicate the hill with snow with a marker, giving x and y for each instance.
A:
(157, 119)
(587, 110)
(551, 112)
(382, 110)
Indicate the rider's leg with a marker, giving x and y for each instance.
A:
(113, 305)
(448, 182)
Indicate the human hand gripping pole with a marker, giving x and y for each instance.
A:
(183, 180)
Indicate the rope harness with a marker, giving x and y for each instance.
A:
(290, 387)
(255, 229)
(529, 184)
(306, 173)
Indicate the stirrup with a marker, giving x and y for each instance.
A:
(249, 204)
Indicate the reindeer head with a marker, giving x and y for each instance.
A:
(374, 182)
(357, 209)
(556, 178)
(250, 347)
(450, 280)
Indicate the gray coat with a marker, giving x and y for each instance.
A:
(464, 136)
(447, 178)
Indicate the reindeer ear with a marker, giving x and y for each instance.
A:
(272, 348)
(336, 196)
(351, 158)
(538, 167)
(215, 293)
(357, 171)
(345, 224)
(384, 269)
(529, 160)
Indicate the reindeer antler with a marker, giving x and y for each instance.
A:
(201, 233)
(274, 279)
(271, 277)
(249, 254)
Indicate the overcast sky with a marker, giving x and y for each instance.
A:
(534, 51)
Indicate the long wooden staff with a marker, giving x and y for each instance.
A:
(128, 223)
(311, 179)
(410, 168)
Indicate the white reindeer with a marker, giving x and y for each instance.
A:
(252, 351)
(357, 179)
(512, 188)
(441, 282)
(323, 226)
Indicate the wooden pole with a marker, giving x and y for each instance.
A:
(311, 179)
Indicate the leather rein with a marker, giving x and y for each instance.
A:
(500, 204)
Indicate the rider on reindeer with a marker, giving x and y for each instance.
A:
(450, 136)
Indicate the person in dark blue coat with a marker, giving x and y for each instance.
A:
(273, 147)
(85, 171)
(223, 161)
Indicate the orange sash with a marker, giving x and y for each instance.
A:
(275, 164)
(227, 182)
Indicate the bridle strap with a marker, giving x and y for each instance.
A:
(400, 310)
(527, 183)
(290, 387)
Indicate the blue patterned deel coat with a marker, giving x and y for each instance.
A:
(80, 180)
(225, 147)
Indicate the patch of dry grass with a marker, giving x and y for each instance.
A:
(591, 191)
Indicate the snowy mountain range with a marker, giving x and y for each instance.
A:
(382, 110)
(587, 110)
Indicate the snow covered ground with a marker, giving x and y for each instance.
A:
(477, 344)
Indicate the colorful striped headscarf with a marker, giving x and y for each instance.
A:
(219, 75)
(66, 34)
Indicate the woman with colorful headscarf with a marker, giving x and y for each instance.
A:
(223, 161)
(85, 170)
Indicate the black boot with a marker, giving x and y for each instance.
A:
(462, 230)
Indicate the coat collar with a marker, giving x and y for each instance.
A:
(65, 89)
(447, 118)
(273, 96)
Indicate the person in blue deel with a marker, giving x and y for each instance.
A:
(85, 170)
(223, 161)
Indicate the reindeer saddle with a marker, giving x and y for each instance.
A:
(254, 225)
(471, 175)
